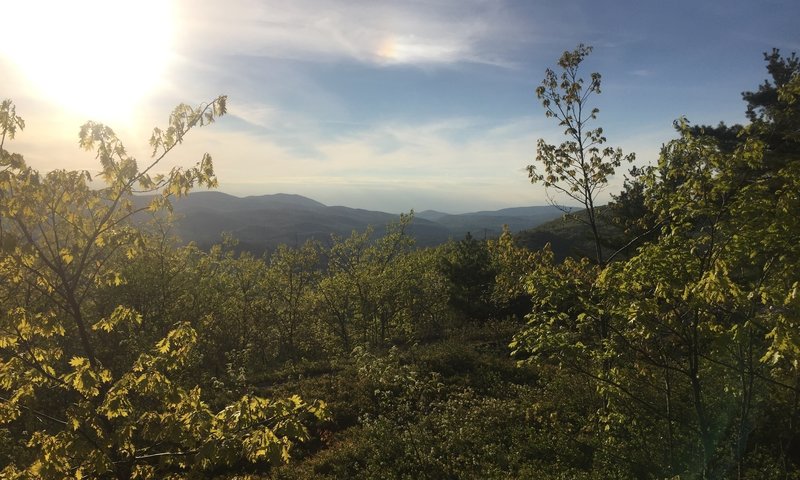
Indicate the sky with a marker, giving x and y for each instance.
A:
(382, 105)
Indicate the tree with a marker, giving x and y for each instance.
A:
(771, 109)
(697, 358)
(378, 292)
(294, 274)
(79, 404)
(512, 263)
(579, 167)
(468, 268)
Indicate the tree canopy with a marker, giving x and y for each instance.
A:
(84, 398)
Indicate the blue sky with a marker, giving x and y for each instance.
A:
(373, 104)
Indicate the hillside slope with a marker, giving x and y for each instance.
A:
(261, 223)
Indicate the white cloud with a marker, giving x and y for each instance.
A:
(457, 164)
(380, 32)
(257, 114)
(443, 164)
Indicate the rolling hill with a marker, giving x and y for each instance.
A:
(260, 223)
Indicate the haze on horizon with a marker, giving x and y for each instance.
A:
(379, 105)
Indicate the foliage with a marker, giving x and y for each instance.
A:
(455, 408)
(81, 405)
(580, 166)
(512, 264)
(467, 265)
(688, 344)
(376, 293)
(292, 277)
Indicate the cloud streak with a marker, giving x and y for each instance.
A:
(375, 32)
(460, 164)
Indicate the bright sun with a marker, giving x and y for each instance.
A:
(94, 57)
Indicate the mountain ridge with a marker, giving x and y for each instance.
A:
(262, 222)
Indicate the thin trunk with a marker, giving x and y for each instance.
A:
(598, 247)
(86, 341)
(670, 432)
(747, 379)
(697, 400)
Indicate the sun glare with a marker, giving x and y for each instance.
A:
(97, 58)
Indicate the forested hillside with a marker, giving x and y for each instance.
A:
(665, 344)
(262, 223)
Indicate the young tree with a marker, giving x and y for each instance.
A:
(359, 291)
(293, 276)
(78, 403)
(468, 268)
(579, 167)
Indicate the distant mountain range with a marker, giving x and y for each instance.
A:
(261, 223)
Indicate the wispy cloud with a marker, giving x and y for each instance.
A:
(256, 114)
(457, 163)
(379, 32)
